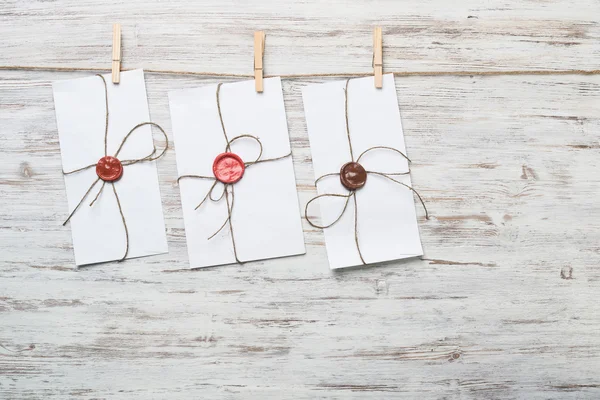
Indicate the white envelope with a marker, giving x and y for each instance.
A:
(266, 214)
(98, 231)
(387, 221)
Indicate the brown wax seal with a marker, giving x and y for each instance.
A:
(109, 169)
(353, 175)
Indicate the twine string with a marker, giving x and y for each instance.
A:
(208, 194)
(406, 186)
(194, 176)
(78, 169)
(230, 212)
(316, 225)
(325, 176)
(81, 201)
(98, 194)
(106, 115)
(248, 137)
(390, 173)
(229, 209)
(271, 159)
(352, 193)
(228, 146)
(346, 117)
(356, 228)
(123, 219)
(383, 148)
(341, 74)
(150, 157)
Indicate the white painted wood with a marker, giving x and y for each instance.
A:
(503, 305)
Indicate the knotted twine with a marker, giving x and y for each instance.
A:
(150, 157)
(352, 192)
(228, 188)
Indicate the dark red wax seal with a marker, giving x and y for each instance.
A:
(353, 176)
(228, 168)
(109, 168)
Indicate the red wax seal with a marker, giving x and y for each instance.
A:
(353, 176)
(109, 169)
(228, 168)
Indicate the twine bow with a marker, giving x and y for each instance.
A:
(351, 191)
(228, 188)
(150, 157)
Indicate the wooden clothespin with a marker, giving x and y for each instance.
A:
(259, 51)
(378, 57)
(116, 54)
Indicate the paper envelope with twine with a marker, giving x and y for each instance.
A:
(236, 177)
(377, 216)
(98, 231)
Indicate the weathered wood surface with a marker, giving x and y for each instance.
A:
(503, 305)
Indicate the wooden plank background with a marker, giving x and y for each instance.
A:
(503, 305)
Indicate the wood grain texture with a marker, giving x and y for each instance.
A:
(503, 305)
